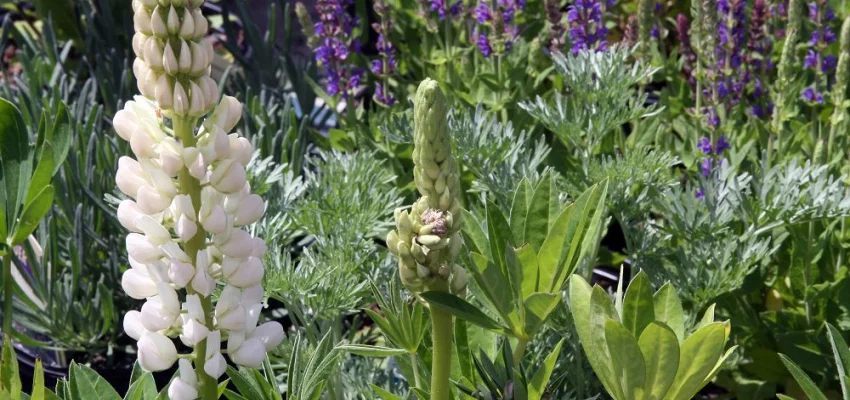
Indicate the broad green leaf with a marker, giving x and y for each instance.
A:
(698, 356)
(660, 349)
(537, 219)
(842, 357)
(514, 269)
(493, 283)
(580, 305)
(707, 318)
(60, 137)
(577, 229)
(461, 309)
(719, 365)
(538, 307)
(638, 307)
(537, 385)
(143, 388)
(42, 174)
(463, 350)
(626, 358)
(528, 270)
(499, 235)
(85, 383)
(519, 210)
(245, 382)
(370, 351)
(809, 387)
(383, 394)
(668, 309)
(38, 382)
(553, 250)
(474, 235)
(601, 310)
(10, 380)
(15, 161)
(33, 213)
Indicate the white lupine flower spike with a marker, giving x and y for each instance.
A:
(183, 238)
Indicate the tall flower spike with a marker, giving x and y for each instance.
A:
(427, 238)
(188, 203)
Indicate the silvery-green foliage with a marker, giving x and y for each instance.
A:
(275, 128)
(353, 195)
(600, 96)
(497, 155)
(357, 374)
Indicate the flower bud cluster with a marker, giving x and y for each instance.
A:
(427, 237)
(164, 219)
(173, 57)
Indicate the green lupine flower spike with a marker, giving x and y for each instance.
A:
(428, 238)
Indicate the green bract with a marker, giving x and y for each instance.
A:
(521, 266)
(638, 348)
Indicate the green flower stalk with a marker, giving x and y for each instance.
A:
(427, 238)
(645, 23)
(839, 91)
(785, 73)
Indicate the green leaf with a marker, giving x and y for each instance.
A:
(698, 356)
(493, 283)
(626, 358)
(383, 394)
(63, 15)
(461, 309)
(601, 311)
(537, 219)
(370, 351)
(245, 382)
(553, 250)
(660, 349)
(668, 309)
(10, 380)
(33, 213)
(85, 383)
(707, 318)
(593, 343)
(537, 385)
(538, 307)
(474, 234)
(43, 173)
(60, 137)
(143, 388)
(499, 235)
(529, 275)
(519, 210)
(38, 381)
(784, 397)
(15, 162)
(580, 229)
(809, 387)
(842, 357)
(638, 307)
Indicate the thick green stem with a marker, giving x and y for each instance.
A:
(414, 363)
(519, 351)
(442, 332)
(8, 289)
(184, 130)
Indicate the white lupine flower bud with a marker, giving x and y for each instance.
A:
(185, 57)
(184, 386)
(169, 60)
(200, 59)
(232, 320)
(241, 150)
(215, 364)
(133, 324)
(158, 24)
(181, 99)
(153, 53)
(228, 176)
(138, 284)
(197, 102)
(197, 166)
(147, 85)
(185, 228)
(234, 340)
(156, 352)
(174, 252)
(156, 270)
(228, 113)
(151, 201)
(163, 92)
(269, 334)
(210, 89)
(154, 231)
(161, 311)
(253, 294)
(142, 144)
(251, 209)
(239, 244)
(252, 316)
(249, 273)
(216, 221)
(130, 177)
(187, 28)
(182, 205)
(139, 40)
(170, 158)
(180, 273)
(141, 250)
(140, 70)
(200, 22)
(128, 211)
(259, 249)
(250, 354)
(148, 3)
(193, 332)
(124, 124)
(142, 21)
(173, 21)
(203, 283)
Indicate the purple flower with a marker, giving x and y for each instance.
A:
(705, 145)
(587, 28)
(496, 30)
(700, 194)
(722, 145)
(705, 167)
(812, 96)
(335, 46)
(482, 13)
(384, 66)
(484, 45)
(383, 95)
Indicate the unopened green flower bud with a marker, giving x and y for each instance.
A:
(306, 24)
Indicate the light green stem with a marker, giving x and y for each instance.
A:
(8, 289)
(519, 351)
(184, 130)
(414, 363)
(442, 332)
